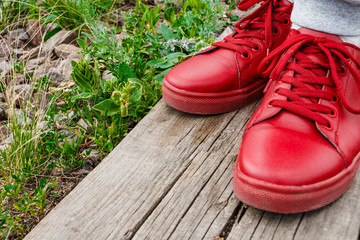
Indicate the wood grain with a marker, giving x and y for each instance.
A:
(171, 178)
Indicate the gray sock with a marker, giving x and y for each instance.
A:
(331, 16)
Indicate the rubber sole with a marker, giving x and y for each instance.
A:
(292, 199)
(211, 103)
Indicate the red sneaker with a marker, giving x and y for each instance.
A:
(300, 150)
(223, 78)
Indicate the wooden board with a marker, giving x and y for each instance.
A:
(171, 178)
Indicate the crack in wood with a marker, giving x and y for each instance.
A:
(238, 212)
(298, 225)
(131, 233)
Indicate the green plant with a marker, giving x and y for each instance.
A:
(13, 12)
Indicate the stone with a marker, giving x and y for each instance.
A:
(121, 36)
(41, 71)
(25, 93)
(107, 75)
(2, 97)
(35, 30)
(84, 125)
(225, 33)
(5, 49)
(19, 34)
(65, 67)
(60, 104)
(4, 68)
(34, 52)
(3, 108)
(64, 50)
(56, 76)
(82, 172)
(19, 52)
(4, 132)
(59, 38)
(32, 64)
(95, 155)
(56, 171)
(13, 113)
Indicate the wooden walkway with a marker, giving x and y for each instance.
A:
(171, 178)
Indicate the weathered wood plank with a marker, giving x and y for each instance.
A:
(114, 200)
(202, 192)
(339, 220)
(171, 178)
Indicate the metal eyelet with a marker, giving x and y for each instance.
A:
(328, 127)
(270, 104)
(245, 55)
(276, 31)
(335, 100)
(342, 72)
(286, 22)
(257, 48)
(333, 113)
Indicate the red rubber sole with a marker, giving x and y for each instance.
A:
(211, 103)
(292, 199)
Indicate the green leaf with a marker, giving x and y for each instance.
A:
(173, 57)
(52, 33)
(166, 32)
(169, 15)
(159, 77)
(136, 96)
(151, 38)
(82, 44)
(84, 95)
(125, 72)
(107, 107)
(155, 63)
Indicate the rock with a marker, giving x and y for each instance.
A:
(83, 124)
(56, 171)
(32, 64)
(60, 104)
(3, 108)
(120, 36)
(4, 68)
(107, 75)
(225, 33)
(2, 97)
(237, 12)
(82, 172)
(5, 49)
(65, 67)
(4, 132)
(56, 76)
(15, 113)
(95, 155)
(41, 71)
(19, 34)
(59, 38)
(64, 50)
(35, 30)
(26, 94)
(89, 165)
(19, 52)
(34, 52)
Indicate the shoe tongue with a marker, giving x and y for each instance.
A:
(311, 32)
(318, 57)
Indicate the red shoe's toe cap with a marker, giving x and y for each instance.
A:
(213, 72)
(288, 154)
